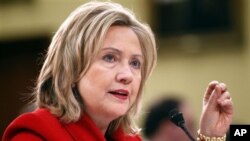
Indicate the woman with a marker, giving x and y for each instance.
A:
(91, 82)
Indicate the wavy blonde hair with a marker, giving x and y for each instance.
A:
(71, 52)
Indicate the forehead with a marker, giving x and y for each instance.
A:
(118, 28)
(122, 36)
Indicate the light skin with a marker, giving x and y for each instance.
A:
(217, 112)
(111, 84)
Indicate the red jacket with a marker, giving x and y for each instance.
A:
(41, 125)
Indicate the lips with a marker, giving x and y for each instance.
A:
(121, 94)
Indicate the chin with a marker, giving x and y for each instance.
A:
(117, 114)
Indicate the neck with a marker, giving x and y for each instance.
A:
(101, 122)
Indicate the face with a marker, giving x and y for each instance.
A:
(111, 84)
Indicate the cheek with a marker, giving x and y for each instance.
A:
(96, 79)
(138, 80)
(137, 85)
(96, 74)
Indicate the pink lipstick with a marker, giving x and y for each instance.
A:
(120, 93)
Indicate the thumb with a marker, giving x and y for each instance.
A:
(214, 96)
(209, 91)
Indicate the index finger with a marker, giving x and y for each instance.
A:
(210, 88)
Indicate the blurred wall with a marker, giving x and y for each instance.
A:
(186, 64)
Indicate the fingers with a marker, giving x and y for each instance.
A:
(215, 91)
(223, 87)
(225, 102)
(217, 95)
(214, 96)
(226, 106)
(224, 96)
(210, 89)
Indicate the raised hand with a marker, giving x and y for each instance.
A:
(217, 110)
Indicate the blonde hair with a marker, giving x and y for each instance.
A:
(71, 52)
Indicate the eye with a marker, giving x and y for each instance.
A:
(135, 64)
(109, 58)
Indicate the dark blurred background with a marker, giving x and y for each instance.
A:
(20, 61)
(176, 17)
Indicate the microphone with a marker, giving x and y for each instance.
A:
(177, 118)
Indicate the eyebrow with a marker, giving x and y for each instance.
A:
(111, 48)
(119, 51)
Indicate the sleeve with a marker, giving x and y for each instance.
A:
(29, 136)
(39, 125)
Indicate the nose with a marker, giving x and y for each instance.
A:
(125, 75)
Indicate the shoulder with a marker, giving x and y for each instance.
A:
(122, 136)
(135, 138)
(39, 116)
(40, 124)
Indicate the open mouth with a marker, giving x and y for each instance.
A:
(121, 94)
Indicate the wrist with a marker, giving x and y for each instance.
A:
(202, 137)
